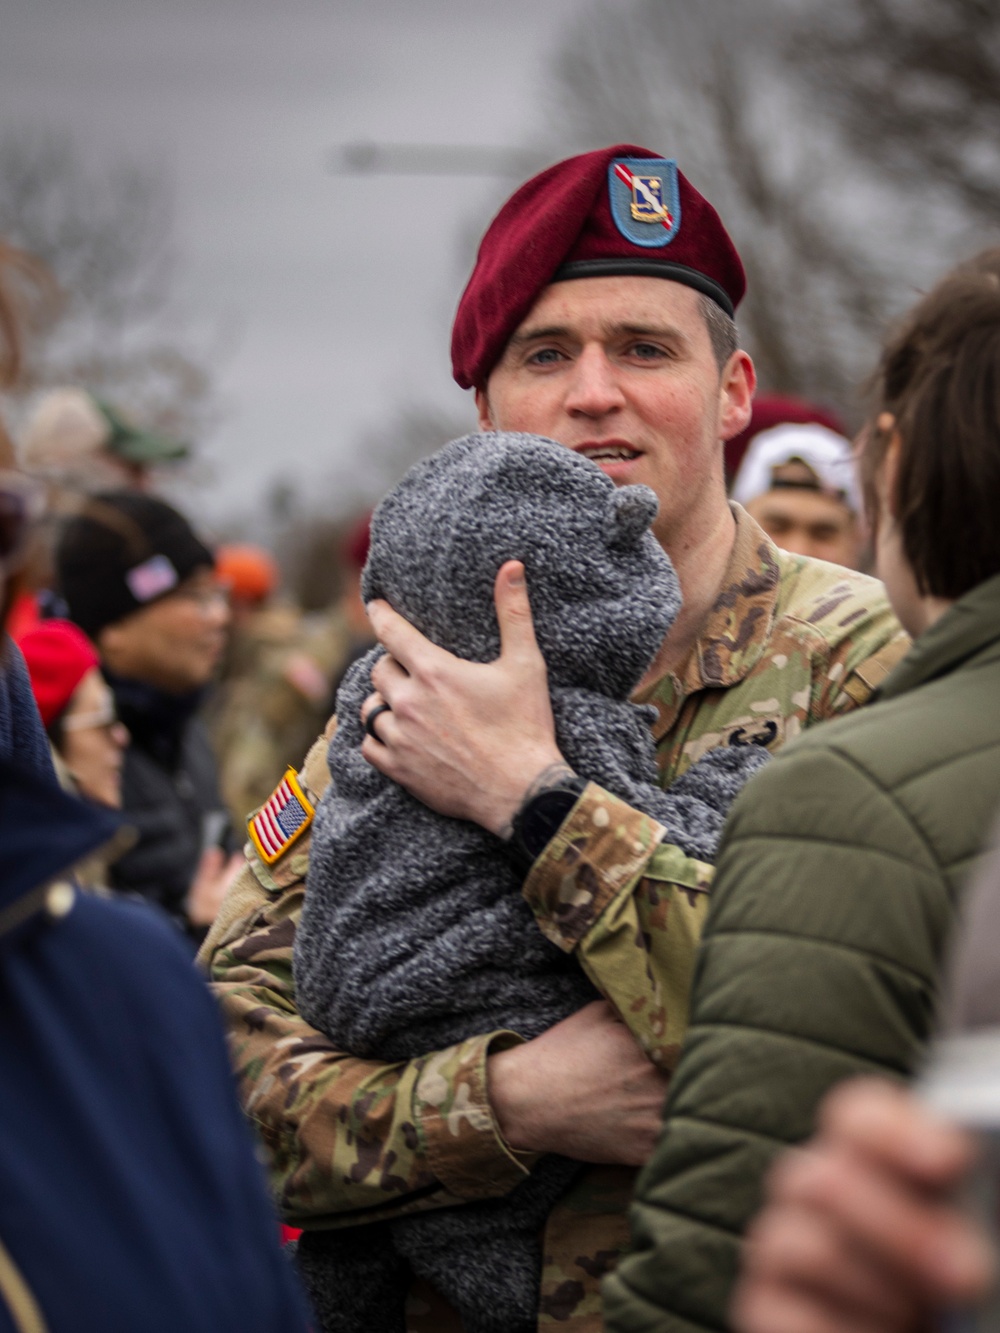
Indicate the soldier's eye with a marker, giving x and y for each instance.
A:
(544, 356)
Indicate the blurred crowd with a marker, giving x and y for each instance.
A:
(175, 680)
(158, 689)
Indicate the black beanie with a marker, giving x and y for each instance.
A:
(121, 552)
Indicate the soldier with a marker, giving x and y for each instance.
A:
(274, 688)
(799, 483)
(599, 314)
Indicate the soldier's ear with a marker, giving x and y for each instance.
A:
(630, 513)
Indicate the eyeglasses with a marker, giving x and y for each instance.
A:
(22, 503)
(104, 716)
(206, 595)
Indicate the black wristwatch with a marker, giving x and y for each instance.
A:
(541, 817)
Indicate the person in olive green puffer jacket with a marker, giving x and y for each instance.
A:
(841, 864)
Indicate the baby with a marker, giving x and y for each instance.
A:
(414, 934)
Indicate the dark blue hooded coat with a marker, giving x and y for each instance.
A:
(130, 1197)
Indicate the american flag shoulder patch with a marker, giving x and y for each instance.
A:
(281, 820)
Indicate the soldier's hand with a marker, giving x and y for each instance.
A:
(466, 738)
(583, 1088)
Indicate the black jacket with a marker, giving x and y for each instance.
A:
(170, 795)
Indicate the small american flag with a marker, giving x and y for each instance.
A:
(282, 819)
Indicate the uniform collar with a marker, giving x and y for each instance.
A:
(736, 631)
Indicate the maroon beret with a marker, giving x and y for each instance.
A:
(620, 210)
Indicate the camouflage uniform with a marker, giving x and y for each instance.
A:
(789, 643)
(272, 698)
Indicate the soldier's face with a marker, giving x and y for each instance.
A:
(621, 370)
(807, 522)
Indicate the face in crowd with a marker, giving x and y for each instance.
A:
(92, 742)
(599, 314)
(806, 521)
(174, 643)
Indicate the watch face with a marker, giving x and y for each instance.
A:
(543, 817)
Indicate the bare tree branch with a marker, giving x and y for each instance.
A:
(916, 86)
(106, 238)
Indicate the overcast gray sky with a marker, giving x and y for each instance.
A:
(329, 296)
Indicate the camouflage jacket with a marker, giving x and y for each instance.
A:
(789, 643)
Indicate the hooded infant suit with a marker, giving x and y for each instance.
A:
(414, 934)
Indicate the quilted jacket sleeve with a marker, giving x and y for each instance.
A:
(818, 962)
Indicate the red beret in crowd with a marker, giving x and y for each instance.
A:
(618, 211)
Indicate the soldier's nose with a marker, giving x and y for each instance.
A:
(594, 389)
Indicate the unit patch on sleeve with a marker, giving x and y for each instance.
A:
(281, 820)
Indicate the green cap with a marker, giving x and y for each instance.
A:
(135, 445)
(70, 428)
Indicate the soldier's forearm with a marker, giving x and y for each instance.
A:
(348, 1136)
(631, 907)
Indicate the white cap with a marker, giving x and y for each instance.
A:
(828, 456)
(66, 429)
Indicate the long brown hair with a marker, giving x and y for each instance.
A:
(939, 377)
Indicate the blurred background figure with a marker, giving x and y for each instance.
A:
(799, 482)
(77, 441)
(77, 709)
(862, 1230)
(75, 444)
(349, 613)
(272, 698)
(142, 585)
(78, 713)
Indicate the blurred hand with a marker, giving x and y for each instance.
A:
(859, 1235)
(211, 880)
(583, 1088)
(466, 738)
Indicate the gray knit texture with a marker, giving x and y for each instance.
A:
(414, 934)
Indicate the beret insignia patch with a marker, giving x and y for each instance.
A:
(645, 200)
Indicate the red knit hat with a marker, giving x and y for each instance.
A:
(58, 655)
(620, 210)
